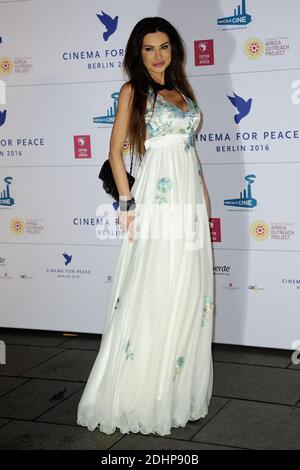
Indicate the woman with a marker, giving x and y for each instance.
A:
(154, 368)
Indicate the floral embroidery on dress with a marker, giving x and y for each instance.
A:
(163, 185)
(166, 118)
(178, 367)
(128, 354)
(163, 127)
(191, 136)
(157, 126)
(160, 198)
(171, 107)
(208, 307)
(191, 141)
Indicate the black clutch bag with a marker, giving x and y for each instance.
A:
(109, 184)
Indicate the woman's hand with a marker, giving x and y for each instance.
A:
(126, 219)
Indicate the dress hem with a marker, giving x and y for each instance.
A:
(139, 430)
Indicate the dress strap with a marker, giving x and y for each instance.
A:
(183, 95)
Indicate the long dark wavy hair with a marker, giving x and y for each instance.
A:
(140, 79)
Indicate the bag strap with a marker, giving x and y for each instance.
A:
(131, 163)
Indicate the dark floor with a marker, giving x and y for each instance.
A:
(255, 404)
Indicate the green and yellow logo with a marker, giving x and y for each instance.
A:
(17, 226)
(259, 230)
(254, 48)
(6, 66)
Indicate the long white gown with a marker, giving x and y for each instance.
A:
(154, 368)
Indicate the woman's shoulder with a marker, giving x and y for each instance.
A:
(126, 88)
(125, 93)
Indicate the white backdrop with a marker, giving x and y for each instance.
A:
(60, 71)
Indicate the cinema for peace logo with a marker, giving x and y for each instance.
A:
(260, 230)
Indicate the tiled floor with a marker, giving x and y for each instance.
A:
(255, 404)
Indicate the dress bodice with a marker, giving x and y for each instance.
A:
(167, 118)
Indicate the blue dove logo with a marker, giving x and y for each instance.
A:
(241, 105)
(110, 24)
(2, 117)
(68, 258)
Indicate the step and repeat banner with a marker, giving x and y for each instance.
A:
(60, 74)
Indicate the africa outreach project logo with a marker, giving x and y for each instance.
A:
(18, 65)
(281, 232)
(259, 230)
(254, 48)
(6, 65)
(17, 225)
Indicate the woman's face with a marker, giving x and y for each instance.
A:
(156, 53)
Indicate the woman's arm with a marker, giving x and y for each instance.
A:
(117, 140)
